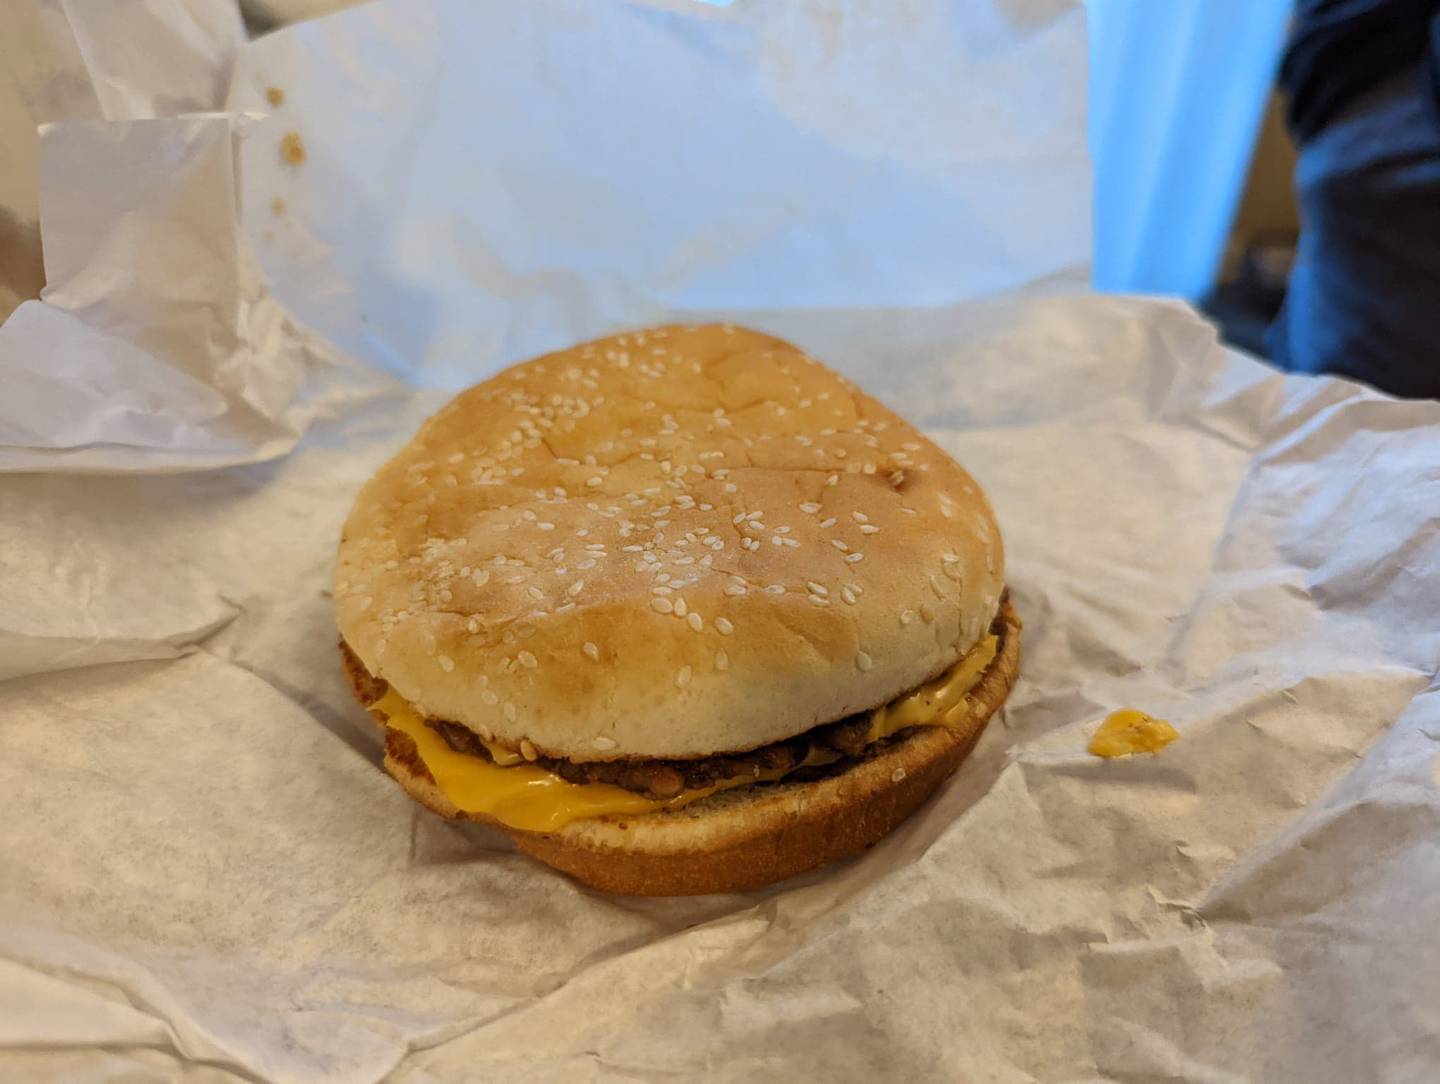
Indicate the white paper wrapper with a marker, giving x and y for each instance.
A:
(204, 874)
(485, 186)
(59, 61)
(213, 870)
(156, 345)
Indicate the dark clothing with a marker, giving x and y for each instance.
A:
(1364, 297)
(1341, 48)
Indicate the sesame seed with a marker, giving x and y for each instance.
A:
(723, 625)
(731, 487)
(591, 651)
(897, 775)
(776, 589)
(828, 522)
(848, 595)
(810, 508)
(859, 517)
(575, 588)
(907, 617)
(527, 750)
(609, 743)
(734, 590)
(722, 660)
(534, 592)
(869, 528)
(839, 545)
(853, 557)
(819, 600)
(662, 605)
(864, 661)
(682, 678)
(527, 660)
(695, 621)
(489, 697)
(680, 607)
(546, 526)
(446, 663)
(817, 588)
(472, 626)
(510, 711)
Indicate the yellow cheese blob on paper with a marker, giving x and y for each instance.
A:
(1128, 731)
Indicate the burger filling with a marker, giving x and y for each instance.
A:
(543, 793)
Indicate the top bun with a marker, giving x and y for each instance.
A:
(672, 543)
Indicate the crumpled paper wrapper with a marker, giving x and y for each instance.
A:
(480, 188)
(155, 345)
(59, 61)
(204, 875)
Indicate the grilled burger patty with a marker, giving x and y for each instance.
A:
(827, 743)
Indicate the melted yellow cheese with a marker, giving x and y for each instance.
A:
(523, 796)
(942, 702)
(530, 798)
(1129, 731)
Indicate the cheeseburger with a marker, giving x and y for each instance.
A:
(680, 610)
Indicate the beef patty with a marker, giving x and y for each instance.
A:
(830, 742)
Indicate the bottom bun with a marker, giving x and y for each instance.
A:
(752, 836)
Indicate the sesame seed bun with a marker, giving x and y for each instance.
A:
(673, 543)
(752, 836)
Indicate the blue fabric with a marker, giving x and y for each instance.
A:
(1340, 49)
(1364, 297)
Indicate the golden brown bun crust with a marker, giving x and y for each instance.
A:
(750, 837)
(669, 544)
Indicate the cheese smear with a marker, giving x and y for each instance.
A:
(1129, 731)
(941, 702)
(529, 798)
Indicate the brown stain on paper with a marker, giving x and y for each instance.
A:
(292, 149)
